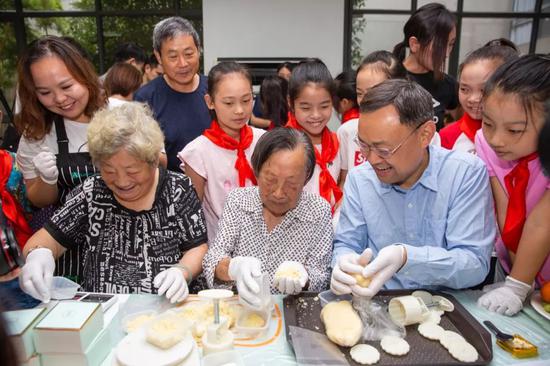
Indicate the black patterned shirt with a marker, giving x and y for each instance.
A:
(125, 249)
(304, 235)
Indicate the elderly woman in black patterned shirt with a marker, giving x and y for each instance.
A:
(276, 227)
(140, 227)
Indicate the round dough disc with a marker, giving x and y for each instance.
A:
(365, 354)
(443, 303)
(463, 351)
(431, 331)
(433, 317)
(448, 337)
(394, 345)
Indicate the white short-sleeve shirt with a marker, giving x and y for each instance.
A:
(217, 166)
(28, 149)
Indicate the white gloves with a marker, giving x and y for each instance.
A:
(507, 299)
(45, 163)
(389, 260)
(341, 281)
(286, 281)
(246, 271)
(172, 282)
(37, 273)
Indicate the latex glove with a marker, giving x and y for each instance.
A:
(341, 280)
(245, 271)
(507, 299)
(37, 274)
(172, 283)
(45, 163)
(388, 261)
(290, 285)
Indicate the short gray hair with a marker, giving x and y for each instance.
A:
(282, 138)
(412, 102)
(171, 27)
(129, 127)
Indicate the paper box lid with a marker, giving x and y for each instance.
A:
(19, 321)
(69, 315)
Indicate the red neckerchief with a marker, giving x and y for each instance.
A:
(516, 185)
(350, 114)
(10, 207)
(469, 126)
(223, 140)
(329, 146)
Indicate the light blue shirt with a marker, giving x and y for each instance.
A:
(445, 221)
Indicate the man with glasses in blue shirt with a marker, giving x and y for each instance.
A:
(425, 214)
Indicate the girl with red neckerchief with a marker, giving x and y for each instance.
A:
(346, 96)
(311, 93)
(473, 74)
(515, 105)
(219, 160)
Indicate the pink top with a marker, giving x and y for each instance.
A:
(537, 186)
(217, 166)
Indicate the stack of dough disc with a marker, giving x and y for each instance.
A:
(364, 354)
(458, 347)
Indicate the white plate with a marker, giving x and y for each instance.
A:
(134, 350)
(536, 303)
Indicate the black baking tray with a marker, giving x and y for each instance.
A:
(303, 310)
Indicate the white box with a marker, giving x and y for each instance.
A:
(20, 325)
(70, 327)
(94, 355)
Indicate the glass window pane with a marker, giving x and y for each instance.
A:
(450, 4)
(499, 5)
(546, 6)
(382, 4)
(7, 5)
(476, 32)
(543, 40)
(82, 29)
(8, 61)
(136, 5)
(373, 32)
(59, 5)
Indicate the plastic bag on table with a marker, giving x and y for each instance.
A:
(312, 348)
(376, 320)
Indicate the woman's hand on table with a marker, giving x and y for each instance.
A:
(506, 299)
(172, 284)
(290, 277)
(244, 270)
(37, 274)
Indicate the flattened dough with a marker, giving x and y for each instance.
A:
(394, 345)
(433, 317)
(431, 331)
(343, 325)
(463, 351)
(448, 337)
(365, 354)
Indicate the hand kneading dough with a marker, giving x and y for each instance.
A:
(343, 325)
(362, 281)
(365, 354)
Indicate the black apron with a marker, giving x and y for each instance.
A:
(73, 168)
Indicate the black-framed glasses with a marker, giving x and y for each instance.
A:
(382, 152)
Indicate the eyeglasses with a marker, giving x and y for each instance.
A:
(382, 152)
